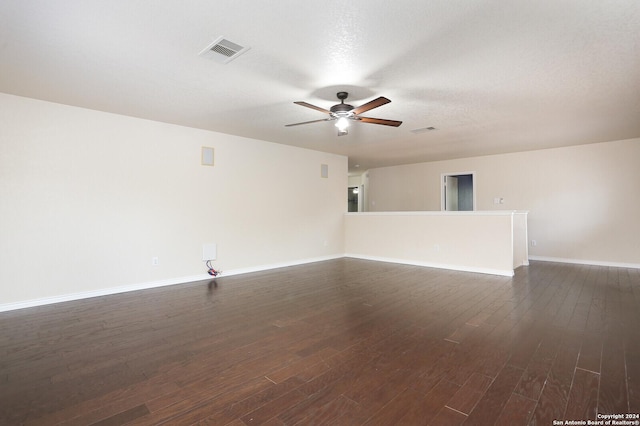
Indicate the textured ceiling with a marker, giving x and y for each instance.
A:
(490, 76)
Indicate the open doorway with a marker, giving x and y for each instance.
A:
(458, 191)
(352, 198)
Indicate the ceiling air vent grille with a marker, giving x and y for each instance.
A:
(223, 50)
(423, 130)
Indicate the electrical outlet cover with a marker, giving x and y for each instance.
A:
(209, 251)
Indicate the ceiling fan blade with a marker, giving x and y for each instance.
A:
(317, 108)
(382, 121)
(309, 122)
(371, 105)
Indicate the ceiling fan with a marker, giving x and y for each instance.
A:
(344, 112)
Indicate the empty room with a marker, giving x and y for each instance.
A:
(319, 213)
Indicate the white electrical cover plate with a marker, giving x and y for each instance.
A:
(209, 251)
(207, 156)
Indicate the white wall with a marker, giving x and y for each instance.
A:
(583, 200)
(355, 180)
(88, 198)
(465, 241)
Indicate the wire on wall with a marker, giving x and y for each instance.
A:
(211, 271)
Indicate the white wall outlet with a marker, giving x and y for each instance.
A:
(534, 243)
(155, 261)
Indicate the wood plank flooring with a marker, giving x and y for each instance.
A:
(341, 342)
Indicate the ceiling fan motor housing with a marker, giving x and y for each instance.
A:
(341, 109)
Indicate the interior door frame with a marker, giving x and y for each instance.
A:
(443, 189)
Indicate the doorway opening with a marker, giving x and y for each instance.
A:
(352, 198)
(458, 192)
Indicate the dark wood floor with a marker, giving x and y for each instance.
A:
(342, 342)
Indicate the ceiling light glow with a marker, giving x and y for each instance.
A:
(342, 124)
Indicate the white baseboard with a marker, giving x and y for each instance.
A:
(183, 280)
(279, 265)
(586, 262)
(100, 292)
(502, 272)
(151, 284)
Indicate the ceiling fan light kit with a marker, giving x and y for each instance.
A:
(344, 112)
(342, 124)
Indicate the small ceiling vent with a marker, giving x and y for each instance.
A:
(423, 130)
(223, 50)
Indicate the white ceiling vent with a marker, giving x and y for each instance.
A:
(223, 50)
